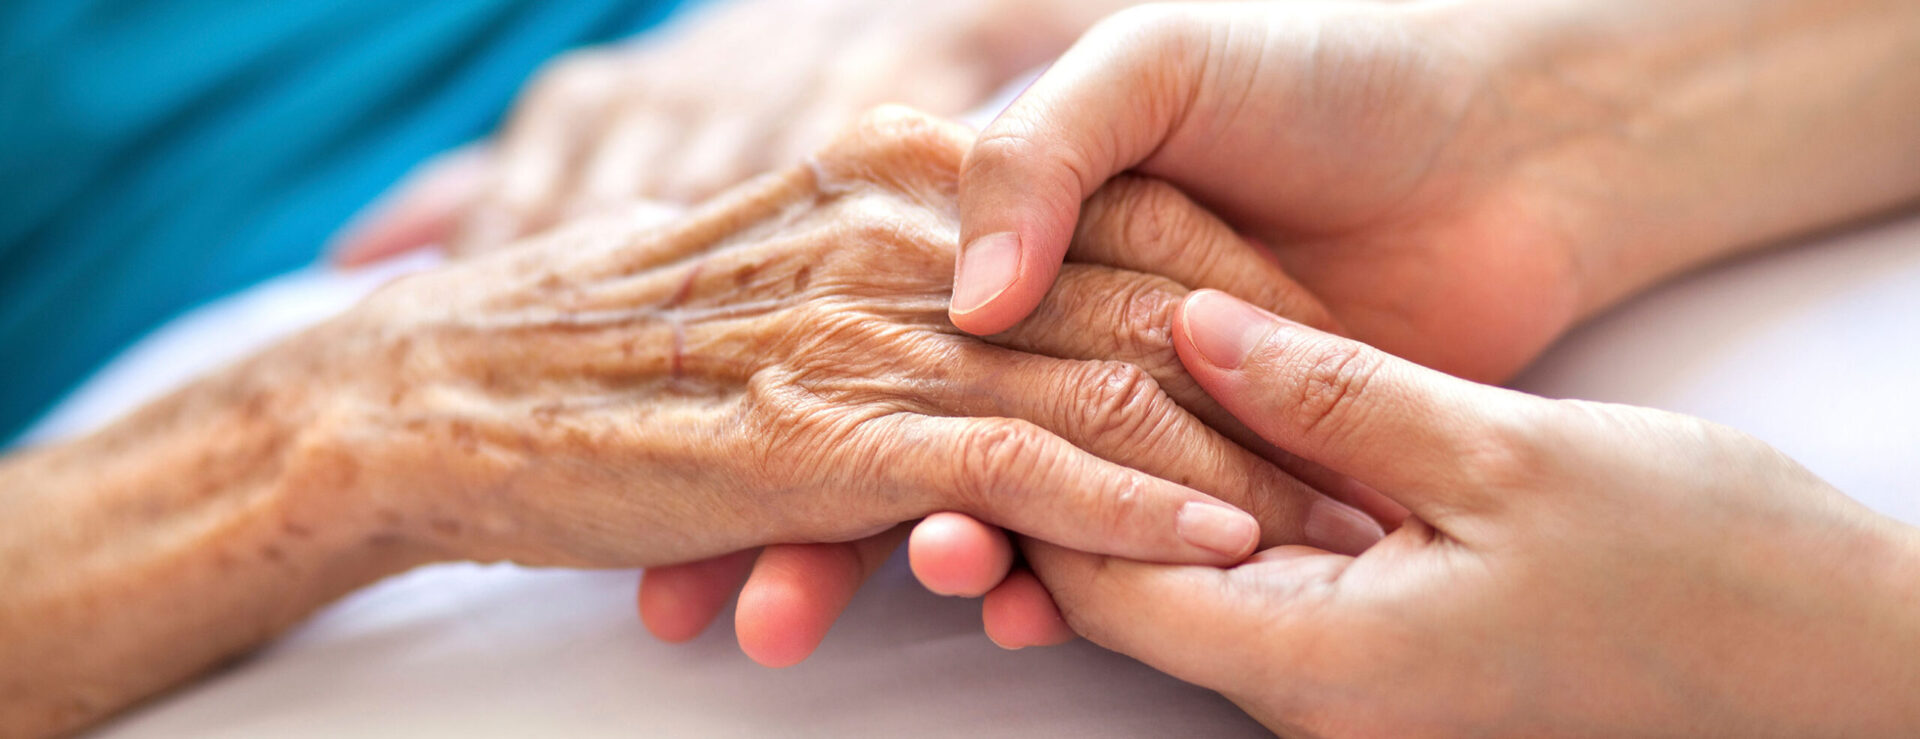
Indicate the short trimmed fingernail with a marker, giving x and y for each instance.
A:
(987, 266)
(1338, 528)
(1225, 329)
(1217, 528)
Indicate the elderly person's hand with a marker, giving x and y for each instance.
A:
(733, 90)
(1571, 568)
(777, 367)
(796, 591)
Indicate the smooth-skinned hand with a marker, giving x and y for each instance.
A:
(1569, 569)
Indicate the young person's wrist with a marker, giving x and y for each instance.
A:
(1675, 134)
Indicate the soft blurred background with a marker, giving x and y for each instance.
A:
(219, 143)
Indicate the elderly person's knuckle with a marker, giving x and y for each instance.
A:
(1156, 220)
(1116, 399)
(998, 457)
(1145, 325)
(574, 74)
(899, 147)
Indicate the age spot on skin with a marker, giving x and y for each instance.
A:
(744, 275)
(803, 278)
(463, 437)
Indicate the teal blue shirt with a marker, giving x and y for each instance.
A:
(154, 155)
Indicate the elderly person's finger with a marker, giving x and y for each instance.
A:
(1145, 225)
(1128, 317)
(423, 210)
(1116, 411)
(1013, 473)
(543, 142)
(709, 159)
(630, 154)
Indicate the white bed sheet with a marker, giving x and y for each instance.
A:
(1813, 348)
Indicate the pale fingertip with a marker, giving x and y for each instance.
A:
(953, 554)
(986, 268)
(1222, 530)
(1020, 613)
(1339, 528)
(1224, 330)
(763, 625)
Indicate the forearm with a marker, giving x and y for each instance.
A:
(1681, 132)
(181, 536)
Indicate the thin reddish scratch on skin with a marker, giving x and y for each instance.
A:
(674, 368)
(686, 286)
(676, 364)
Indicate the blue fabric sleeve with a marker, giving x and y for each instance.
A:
(154, 155)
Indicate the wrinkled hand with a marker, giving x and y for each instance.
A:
(795, 592)
(1570, 569)
(775, 368)
(735, 89)
(1397, 193)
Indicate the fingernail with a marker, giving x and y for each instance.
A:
(1217, 528)
(1338, 528)
(1224, 329)
(987, 266)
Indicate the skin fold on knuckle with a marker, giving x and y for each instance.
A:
(1325, 392)
(1144, 331)
(1119, 405)
(899, 148)
(569, 82)
(1016, 146)
(999, 459)
(1156, 224)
